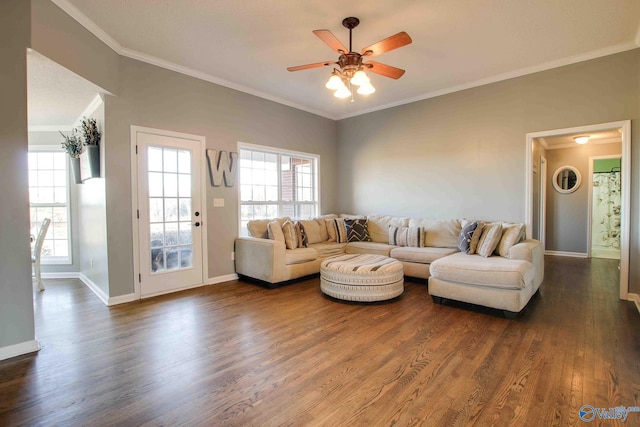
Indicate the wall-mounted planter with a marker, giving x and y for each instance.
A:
(75, 169)
(90, 162)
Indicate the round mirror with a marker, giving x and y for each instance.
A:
(566, 179)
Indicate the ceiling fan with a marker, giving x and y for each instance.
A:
(351, 71)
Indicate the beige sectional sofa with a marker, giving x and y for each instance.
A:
(504, 282)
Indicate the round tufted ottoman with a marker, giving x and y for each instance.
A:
(361, 277)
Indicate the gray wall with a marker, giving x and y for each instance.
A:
(16, 291)
(463, 154)
(568, 214)
(92, 219)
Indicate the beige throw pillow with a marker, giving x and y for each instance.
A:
(475, 238)
(275, 231)
(511, 234)
(491, 234)
(290, 235)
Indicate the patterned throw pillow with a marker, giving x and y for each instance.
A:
(404, 236)
(337, 230)
(464, 240)
(290, 235)
(303, 239)
(491, 234)
(357, 230)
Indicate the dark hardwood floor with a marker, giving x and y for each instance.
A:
(240, 354)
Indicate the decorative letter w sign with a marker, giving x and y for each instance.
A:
(222, 167)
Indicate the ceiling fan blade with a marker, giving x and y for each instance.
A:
(390, 43)
(384, 70)
(316, 65)
(331, 40)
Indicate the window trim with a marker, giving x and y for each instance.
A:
(57, 260)
(280, 151)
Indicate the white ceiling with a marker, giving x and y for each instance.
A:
(57, 97)
(457, 44)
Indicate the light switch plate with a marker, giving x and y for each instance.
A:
(218, 203)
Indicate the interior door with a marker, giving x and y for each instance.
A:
(170, 220)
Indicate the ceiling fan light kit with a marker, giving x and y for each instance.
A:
(351, 71)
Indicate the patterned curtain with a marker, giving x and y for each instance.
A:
(606, 211)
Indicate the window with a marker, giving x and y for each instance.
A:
(276, 183)
(49, 198)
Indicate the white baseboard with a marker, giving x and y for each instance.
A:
(19, 349)
(221, 279)
(108, 301)
(122, 299)
(567, 254)
(65, 275)
(94, 288)
(636, 299)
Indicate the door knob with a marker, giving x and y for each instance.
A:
(197, 224)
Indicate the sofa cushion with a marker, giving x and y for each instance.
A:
(300, 255)
(438, 233)
(274, 231)
(315, 230)
(290, 235)
(511, 234)
(327, 249)
(476, 270)
(357, 230)
(379, 226)
(258, 227)
(369, 248)
(405, 236)
(491, 234)
(420, 255)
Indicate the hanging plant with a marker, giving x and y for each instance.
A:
(72, 144)
(90, 132)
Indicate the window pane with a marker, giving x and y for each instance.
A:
(155, 184)
(185, 210)
(170, 160)
(154, 157)
(184, 162)
(186, 258)
(170, 233)
(170, 209)
(185, 236)
(184, 185)
(156, 209)
(170, 185)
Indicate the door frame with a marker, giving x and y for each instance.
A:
(590, 213)
(625, 161)
(133, 140)
(542, 215)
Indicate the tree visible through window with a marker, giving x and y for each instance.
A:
(48, 198)
(277, 183)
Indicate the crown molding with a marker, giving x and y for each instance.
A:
(87, 23)
(91, 108)
(50, 128)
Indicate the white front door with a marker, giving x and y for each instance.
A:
(170, 215)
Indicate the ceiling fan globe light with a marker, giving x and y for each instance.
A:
(334, 82)
(366, 89)
(342, 92)
(359, 78)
